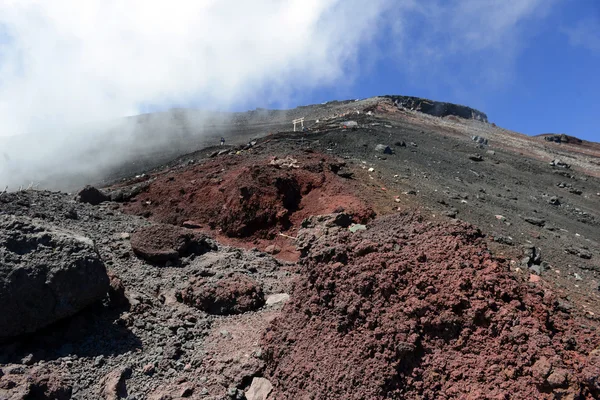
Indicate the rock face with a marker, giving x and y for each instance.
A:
(436, 108)
(45, 275)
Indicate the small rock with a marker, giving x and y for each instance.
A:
(507, 240)
(277, 298)
(259, 389)
(382, 148)
(450, 213)
(71, 214)
(273, 249)
(475, 157)
(148, 369)
(371, 169)
(192, 225)
(554, 201)
(186, 391)
(99, 361)
(579, 252)
(357, 227)
(558, 378)
(400, 143)
(535, 221)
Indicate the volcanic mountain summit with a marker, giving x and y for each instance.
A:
(394, 247)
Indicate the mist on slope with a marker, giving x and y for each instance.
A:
(70, 70)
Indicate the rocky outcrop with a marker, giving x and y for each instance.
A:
(561, 138)
(45, 274)
(437, 108)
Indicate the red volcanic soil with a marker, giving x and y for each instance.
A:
(411, 309)
(255, 199)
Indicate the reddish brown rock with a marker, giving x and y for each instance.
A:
(37, 383)
(416, 309)
(161, 243)
(234, 295)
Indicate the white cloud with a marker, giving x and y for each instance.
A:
(65, 64)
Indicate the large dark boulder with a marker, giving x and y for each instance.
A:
(91, 195)
(45, 274)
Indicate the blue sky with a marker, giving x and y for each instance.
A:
(531, 65)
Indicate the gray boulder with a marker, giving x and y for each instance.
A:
(46, 274)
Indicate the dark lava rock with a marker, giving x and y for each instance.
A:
(234, 295)
(382, 148)
(162, 242)
(535, 221)
(45, 274)
(579, 252)
(437, 108)
(91, 195)
(554, 201)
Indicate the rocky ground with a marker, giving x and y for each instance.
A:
(385, 253)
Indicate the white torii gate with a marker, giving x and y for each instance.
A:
(298, 121)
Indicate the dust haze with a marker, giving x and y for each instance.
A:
(70, 70)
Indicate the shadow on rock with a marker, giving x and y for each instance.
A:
(97, 331)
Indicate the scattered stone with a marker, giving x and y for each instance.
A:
(579, 252)
(383, 149)
(507, 240)
(112, 386)
(535, 221)
(554, 201)
(259, 389)
(46, 274)
(71, 214)
(148, 369)
(277, 299)
(273, 249)
(191, 225)
(450, 213)
(91, 195)
(371, 169)
(558, 163)
(357, 227)
(491, 152)
(475, 157)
